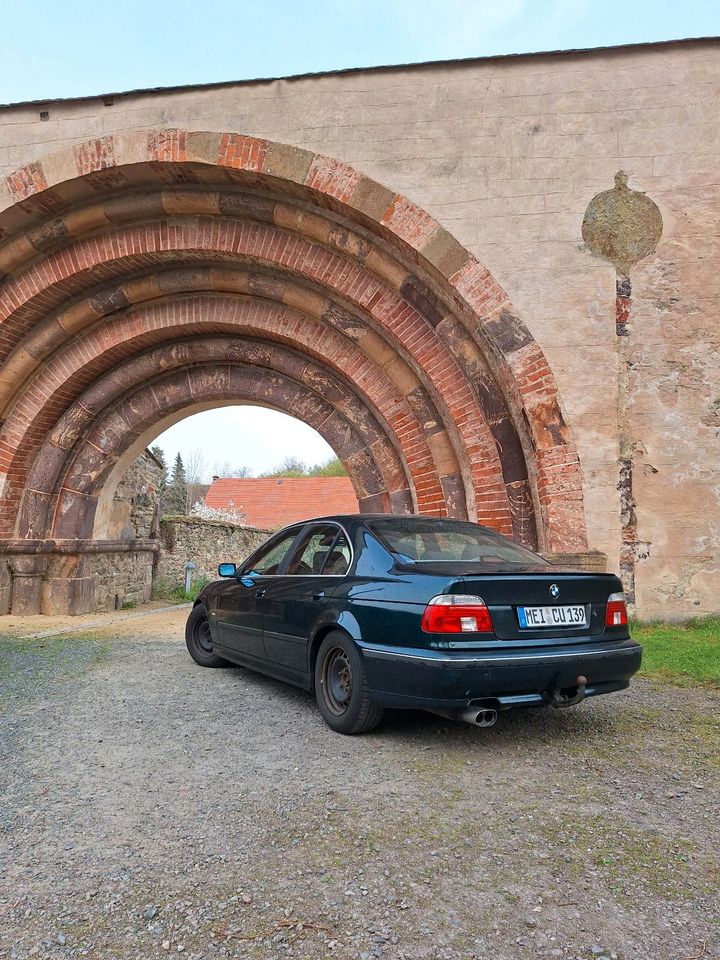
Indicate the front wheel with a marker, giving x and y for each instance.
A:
(341, 686)
(198, 639)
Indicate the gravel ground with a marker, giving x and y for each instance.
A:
(152, 808)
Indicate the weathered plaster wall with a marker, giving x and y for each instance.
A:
(507, 154)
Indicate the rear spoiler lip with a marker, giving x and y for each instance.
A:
(490, 572)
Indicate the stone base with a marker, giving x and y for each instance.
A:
(68, 596)
(67, 577)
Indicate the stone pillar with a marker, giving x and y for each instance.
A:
(27, 580)
(5, 586)
(69, 587)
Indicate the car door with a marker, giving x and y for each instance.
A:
(319, 559)
(239, 611)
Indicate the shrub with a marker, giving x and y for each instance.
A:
(176, 593)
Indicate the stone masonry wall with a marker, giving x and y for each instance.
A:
(506, 154)
(206, 543)
(135, 502)
(127, 578)
(122, 579)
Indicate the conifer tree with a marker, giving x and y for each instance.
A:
(177, 490)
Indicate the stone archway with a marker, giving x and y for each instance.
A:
(151, 273)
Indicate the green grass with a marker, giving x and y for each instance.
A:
(685, 654)
(31, 666)
(176, 593)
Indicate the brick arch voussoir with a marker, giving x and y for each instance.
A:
(40, 397)
(387, 308)
(81, 364)
(339, 237)
(351, 406)
(90, 463)
(408, 405)
(180, 155)
(52, 334)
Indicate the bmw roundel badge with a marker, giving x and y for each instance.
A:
(554, 591)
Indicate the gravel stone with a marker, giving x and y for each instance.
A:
(152, 806)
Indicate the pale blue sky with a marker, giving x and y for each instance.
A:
(67, 48)
(63, 48)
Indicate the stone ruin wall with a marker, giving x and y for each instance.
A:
(135, 505)
(204, 542)
(123, 579)
(127, 578)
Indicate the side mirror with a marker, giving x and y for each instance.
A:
(227, 569)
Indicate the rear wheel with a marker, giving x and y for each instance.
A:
(198, 639)
(341, 686)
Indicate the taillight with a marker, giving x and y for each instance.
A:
(616, 611)
(456, 613)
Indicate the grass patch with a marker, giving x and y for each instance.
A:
(685, 654)
(176, 592)
(629, 858)
(31, 666)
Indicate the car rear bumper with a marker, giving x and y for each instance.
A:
(432, 679)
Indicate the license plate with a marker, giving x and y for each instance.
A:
(567, 616)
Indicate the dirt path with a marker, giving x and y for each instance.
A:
(153, 808)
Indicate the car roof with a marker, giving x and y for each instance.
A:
(364, 517)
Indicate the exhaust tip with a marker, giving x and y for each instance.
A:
(486, 718)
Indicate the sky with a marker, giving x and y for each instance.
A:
(65, 48)
(68, 48)
(247, 436)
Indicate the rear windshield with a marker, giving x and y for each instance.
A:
(426, 541)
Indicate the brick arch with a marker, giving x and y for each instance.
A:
(371, 464)
(73, 363)
(111, 248)
(75, 461)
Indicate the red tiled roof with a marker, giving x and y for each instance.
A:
(274, 501)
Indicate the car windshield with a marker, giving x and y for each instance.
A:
(433, 541)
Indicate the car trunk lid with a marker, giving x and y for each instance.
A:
(505, 594)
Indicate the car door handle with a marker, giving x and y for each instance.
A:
(318, 596)
(261, 593)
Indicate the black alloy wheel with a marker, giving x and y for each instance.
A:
(341, 686)
(198, 639)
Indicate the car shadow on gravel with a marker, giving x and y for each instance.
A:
(530, 724)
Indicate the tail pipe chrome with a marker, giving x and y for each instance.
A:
(476, 715)
(486, 717)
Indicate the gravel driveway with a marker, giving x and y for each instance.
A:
(152, 808)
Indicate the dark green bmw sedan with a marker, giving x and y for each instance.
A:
(415, 612)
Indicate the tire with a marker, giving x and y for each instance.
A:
(199, 641)
(341, 687)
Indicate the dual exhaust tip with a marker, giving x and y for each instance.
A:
(485, 715)
(482, 717)
(477, 715)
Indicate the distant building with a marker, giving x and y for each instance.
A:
(275, 501)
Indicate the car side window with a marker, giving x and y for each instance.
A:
(337, 562)
(268, 562)
(320, 552)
